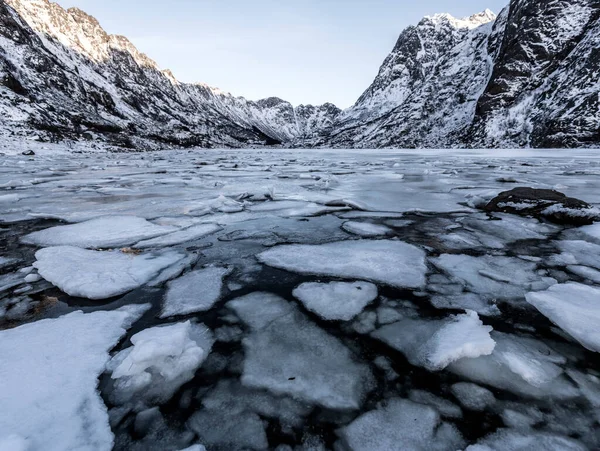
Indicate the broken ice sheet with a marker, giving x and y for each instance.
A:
(366, 229)
(494, 277)
(194, 292)
(386, 261)
(160, 360)
(575, 308)
(336, 300)
(434, 344)
(521, 365)
(510, 440)
(49, 372)
(288, 355)
(105, 232)
(99, 275)
(192, 233)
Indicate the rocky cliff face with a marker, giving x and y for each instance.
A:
(527, 78)
(63, 77)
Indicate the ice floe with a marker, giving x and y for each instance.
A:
(366, 229)
(105, 232)
(194, 292)
(386, 261)
(99, 275)
(590, 232)
(573, 307)
(578, 253)
(182, 236)
(510, 440)
(494, 277)
(336, 300)
(434, 344)
(288, 355)
(49, 371)
(521, 365)
(160, 360)
(400, 424)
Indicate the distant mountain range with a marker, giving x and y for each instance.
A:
(529, 77)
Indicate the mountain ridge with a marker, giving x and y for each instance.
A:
(525, 78)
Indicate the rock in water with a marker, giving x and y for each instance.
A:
(544, 203)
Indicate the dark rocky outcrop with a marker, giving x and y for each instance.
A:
(544, 204)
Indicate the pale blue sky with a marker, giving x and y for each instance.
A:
(304, 51)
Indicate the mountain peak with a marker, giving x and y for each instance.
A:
(474, 21)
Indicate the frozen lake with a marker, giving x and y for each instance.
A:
(292, 299)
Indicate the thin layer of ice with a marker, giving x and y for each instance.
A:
(493, 277)
(336, 300)
(49, 371)
(194, 292)
(520, 365)
(511, 440)
(472, 396)
(591, 232)
(105, 232)
(386, 261)
(366, 229)
(400, 424)
(99, 275)
(580, 253)
(434, 344)
(466, 301)
(182, 236)
(573, 307)
(288, 355)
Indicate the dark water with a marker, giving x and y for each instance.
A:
(251, 277)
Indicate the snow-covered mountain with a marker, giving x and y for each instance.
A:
(526, 78)
(63, 77)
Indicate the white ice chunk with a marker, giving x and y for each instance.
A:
(465, 336)
(390, 262)
(400, 424)
(434, 344)
(573, 307)
(161, 359)
(49, 371)
(99, 275)
(182, 236)
(520, 365)
(511, 440)
(336, 300)
(366, 229)
(493, 276)
(105, 232)
(194, 292)
(287, 354)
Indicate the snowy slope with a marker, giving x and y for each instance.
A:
(528, 78)
(62, 76)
